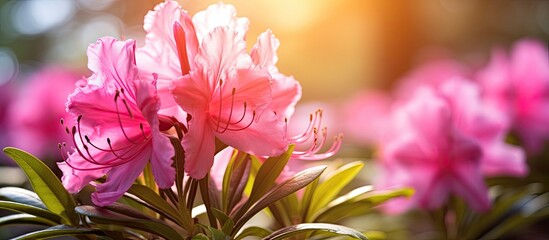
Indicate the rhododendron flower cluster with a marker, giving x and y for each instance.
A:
(449, 125)
(192, 77)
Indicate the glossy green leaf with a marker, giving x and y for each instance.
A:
(268, 173)
(253, 232)
(289, 186)
(157, 203)
(287, 232)
(21, 195)
(264, 179)
(235, 179)
(307, 198)
(503, 207)
(128, 211)
(204, 184)
(332, 186)
(24, 208)
(23, 218)
(104, 216)
(527, 211)
(357, 202)
(45, 184)
(58, 231)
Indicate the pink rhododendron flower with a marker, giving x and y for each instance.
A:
(227, 94)
(36, 110)
(432, 155)
(117, 128)
(486, 125)
(519, 86)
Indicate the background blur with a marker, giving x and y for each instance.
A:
(335, 48)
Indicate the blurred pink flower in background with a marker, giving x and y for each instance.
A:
(365, 117)
(518, 84)
(117, 127)
(37, 108)
(432, 155)
(487, 125)
(6, 97)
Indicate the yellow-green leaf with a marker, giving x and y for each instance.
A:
(330, 188)
(46, 185)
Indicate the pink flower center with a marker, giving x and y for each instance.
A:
(124, 152)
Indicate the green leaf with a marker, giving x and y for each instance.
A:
(287, 232)
(254, 232)
(307, 198)
(289, 186)
(330, 188)
(226, 222)
(205, 193)
(200, 236)
(358, 202)
(57, 231)
(24, 218)
(24, 208)
(128, 211)
(268, 173)
(216, 234)
(503, 208)
(21, 195)
(45, 184)
(235, 179)
(527, 211)
(157, 203)
(104, 216)
(264, 179)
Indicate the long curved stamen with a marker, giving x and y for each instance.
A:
(77, 148)
(119, 119)
(330, 152)
(315, 121)
(243, 115)
(247, 126)
(220, 104)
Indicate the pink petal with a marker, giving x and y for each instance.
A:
(266, 137)
(112, 62)
(220, 51)
(219, 15)
(199, 145)
(159, 55)
(251, 86)
(192, 92)
(263, 53)
(503, 160)
(74, 180)
(469, 184)
(286, 92)
(163, 151)
(119, 180)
